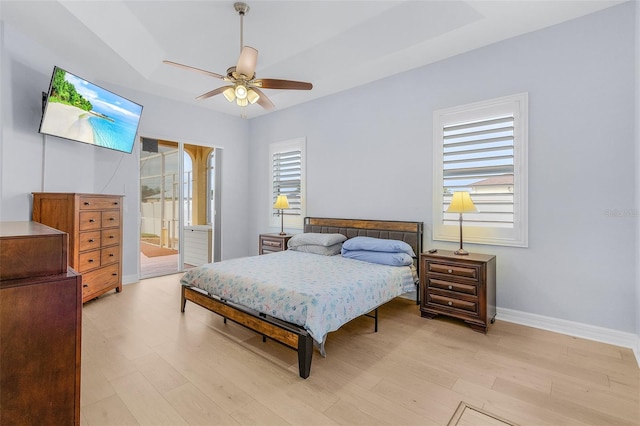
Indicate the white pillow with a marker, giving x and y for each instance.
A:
(316, 249)
(314, 238)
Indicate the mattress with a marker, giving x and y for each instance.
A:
(319, 293)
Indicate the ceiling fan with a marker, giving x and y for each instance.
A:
(245, 88)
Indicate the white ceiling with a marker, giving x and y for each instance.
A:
(336, 45)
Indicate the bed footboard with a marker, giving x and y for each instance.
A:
(288, 334)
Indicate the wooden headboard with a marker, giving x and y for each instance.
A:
(409, 232)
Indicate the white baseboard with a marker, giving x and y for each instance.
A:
(571, 328)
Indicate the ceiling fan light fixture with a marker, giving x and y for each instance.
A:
(252, 96)
(241, 91)
(242, 85)
(230, 94)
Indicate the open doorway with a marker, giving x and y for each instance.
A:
(179, 188)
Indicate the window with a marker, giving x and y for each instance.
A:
(287, 176)
(482, 148)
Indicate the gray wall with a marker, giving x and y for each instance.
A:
(369, 155)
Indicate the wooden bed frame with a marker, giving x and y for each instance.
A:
(289, 334)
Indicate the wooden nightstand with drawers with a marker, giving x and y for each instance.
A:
(462, 287)
(270, 243)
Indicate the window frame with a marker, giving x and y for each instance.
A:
(517, 236)
(291, 220)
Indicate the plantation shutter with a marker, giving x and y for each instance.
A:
(287, 179)
(478, 157)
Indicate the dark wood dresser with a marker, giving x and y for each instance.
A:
(40, 327)
(270, 243)
(458, 286)
(94, 225)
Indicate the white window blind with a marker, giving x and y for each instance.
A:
(478, 158)
(482, 148)
(287, 176)
(287, 179)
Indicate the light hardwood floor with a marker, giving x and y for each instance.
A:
(143, 362)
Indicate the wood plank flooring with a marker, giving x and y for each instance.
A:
(145, 363)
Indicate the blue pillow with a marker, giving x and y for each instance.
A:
(378, 244)
(381, 257)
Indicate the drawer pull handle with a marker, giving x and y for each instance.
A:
(111, 236)
(115, 203)
(114, 274)
(449, 271)
(86, 203)
(92, 220)
(85, 285)
(450, 303)
(111, 255)
(112, 218)
(450, 287)
(92, 240)
(90, 260)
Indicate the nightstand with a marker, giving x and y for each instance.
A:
(270, 243)
(462, 287)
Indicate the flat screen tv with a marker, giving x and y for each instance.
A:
(78, 110)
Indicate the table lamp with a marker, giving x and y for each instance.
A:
(281, 203)
(461, 203)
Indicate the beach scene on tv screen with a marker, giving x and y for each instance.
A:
(79, 110)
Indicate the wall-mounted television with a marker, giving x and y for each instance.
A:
(78, 110)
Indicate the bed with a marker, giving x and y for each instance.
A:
(296, 297)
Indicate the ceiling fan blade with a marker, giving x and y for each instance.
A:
(263, 101)
(272, 83)
(247, 62)
(213, 92)
(187, 67)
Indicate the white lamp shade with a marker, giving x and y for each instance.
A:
(230, 94)
(252, 96)
(461, 203)
(281, 202)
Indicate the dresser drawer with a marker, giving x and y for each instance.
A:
(89, 240)
(110, 236)
(271, 243)
(463, 288)
(99, 279)
(99, 203)
(110, 218)
(90, 220)
(452, 269)
(96, 258)
(439, 300)
(109, 255)
(89, 260)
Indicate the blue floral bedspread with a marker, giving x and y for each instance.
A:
(320, 293)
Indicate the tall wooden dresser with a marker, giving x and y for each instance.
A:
(40, 327)
(94, 225)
